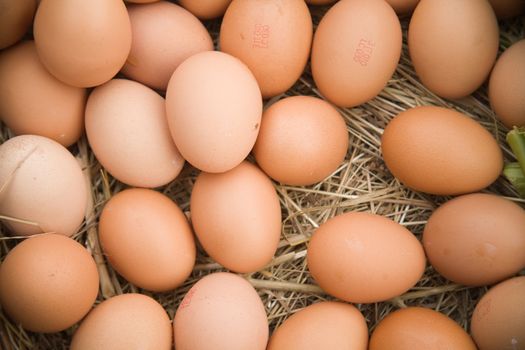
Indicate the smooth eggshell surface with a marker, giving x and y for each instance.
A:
(364, 258)
(325, 325)
(440, 151)
(16, 17)
(237, 217)
(124, 322)
(48, 283)
(206, 9)
(508, 8)
(476, 239)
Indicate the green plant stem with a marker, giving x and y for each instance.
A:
(516, 141)
(514, 173)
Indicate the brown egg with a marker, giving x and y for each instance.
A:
(237, 217)
(403, 7)
(164, 35)
(221, 311)
(16, 16)
(127, 321)
(325, 325)
(498, 321)
(32, 101)
(206, 9)
(147, 239)
(272, 37)
(48, 283)
(352, 71)
(508, 8)
(44, 191)
(82, 43)
(453, 45)
(214, 110)
(440, 151)
(476, 239)
(419, 328)
(364, 258)
(507, 86)
(127, 130)
(302, 140)
(141, 1)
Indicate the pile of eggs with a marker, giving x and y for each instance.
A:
(178, 100)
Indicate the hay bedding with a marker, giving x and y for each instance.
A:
(361, 183)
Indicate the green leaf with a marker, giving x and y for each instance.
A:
(514, 173)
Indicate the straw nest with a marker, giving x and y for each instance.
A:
(361, 183)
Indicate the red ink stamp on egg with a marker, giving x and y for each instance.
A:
(187, 299)
(364, 51)
(261, 35)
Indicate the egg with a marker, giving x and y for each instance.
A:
(43, 188)
(476, 239)
(403, 7)
(302, 140)
(214, 109)
(364, 258)
(505, 9)
(32, 101)
(498, 320)
(163, 35)
(507, 86)
(16, 17)
(206, 9)
(127, 130)
(237, 217)
(272, 37)
(147, 239)
(82, 43)
(440, 151)
(48, 283)
(126, 321)
(324, 325)
(419, 328)
(221, 311)
(453, 45)
(352, 71)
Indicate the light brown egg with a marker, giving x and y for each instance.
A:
(32, 101)
(214, 109)
(507, 86)
(126, 321)
(82, 43)
(498, 321)
(44, 188)
(403, 7)
(440, 151)
(48, 283)
(16, 17)
(272, 37)
(141, 1)
(206, 9)
(364, 258)
(453, 45)
(302, 140)
(147, 239)
(476, 239)
(221, 311)
(237, 217)
(352, 71)
(325, 325)
(163, 35)
(419, 328)
(127, 130)
(505, 9)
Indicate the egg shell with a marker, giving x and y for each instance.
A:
(206, 9)
(507, 86)
(163, 36)
(364, 258)
(127, 130)
(44, 185)
(498, 320)
(440, 151)
(82, 43)
(16, 17)
(453, 45)
(272, 37)
(237, 217)
(32, 101)
(127, 321)
(141, 1)
(147, 239)
(419, 328)
(214, 109)
(352, 71)
(476, 239)
(325, 325)
(48, 283)
(221, 311)
(403, 7)
(302, 140)
(505, 9)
